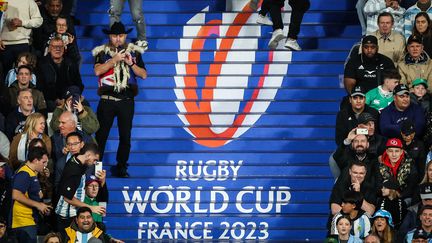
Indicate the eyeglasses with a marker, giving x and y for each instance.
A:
(59, 47)
(2, 226)
(73, 144)
(93, 186)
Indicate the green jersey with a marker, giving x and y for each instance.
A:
(378, 98)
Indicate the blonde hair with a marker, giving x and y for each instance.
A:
(426, 178)
(31, 122)
(52, 235)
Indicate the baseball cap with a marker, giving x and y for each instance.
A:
(414, 38)
(426, 191)
(420, 81)
(72, 91)
(420, 234)
(369, 39)
(407, 127)
(365, 117)
(400, 89)
(394, 143)
(391, 184)
(358, 90)
(90, 179)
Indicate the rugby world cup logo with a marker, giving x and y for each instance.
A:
(221, 99)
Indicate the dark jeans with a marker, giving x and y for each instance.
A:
(299, 8)
(106, 112)
(9, 55)
(27, 234)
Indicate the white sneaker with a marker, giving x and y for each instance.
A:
(292, 44)
(263, 20)
(276, 37)
(143, 44)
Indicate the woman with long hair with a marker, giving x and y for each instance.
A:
(383, 226)
(422, 27)
(344, 226)
(34, 128)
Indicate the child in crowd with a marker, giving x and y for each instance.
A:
(391, 202)
(69, 40)
(420, 95)
(25, 58)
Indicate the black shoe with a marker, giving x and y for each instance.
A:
(122, 174)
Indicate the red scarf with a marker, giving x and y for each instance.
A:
(386, 161)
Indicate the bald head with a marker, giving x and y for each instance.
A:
(67, 123)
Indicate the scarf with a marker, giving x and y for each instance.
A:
(121, 69)
(386, 161)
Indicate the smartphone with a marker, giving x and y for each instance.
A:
(98, 167)
(363, 131)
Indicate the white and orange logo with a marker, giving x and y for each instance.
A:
(213, 116)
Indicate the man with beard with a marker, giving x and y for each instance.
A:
(365, 68)
(376, 141)
(355, 150)
(394, 164)
(400, 110)
(354, 180)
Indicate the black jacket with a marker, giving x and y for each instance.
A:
(53, 80)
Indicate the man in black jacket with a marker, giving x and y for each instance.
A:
(56, 73)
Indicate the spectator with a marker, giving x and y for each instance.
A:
(16, 119)
(376, 141)
(23, 82)
(51, 11)
(372, 238)
(6, 175)
(381, 96)
(84, 227)
(69, 40)
(423, 28)
(425, 227)
(26, 196)
(394, 164)
(25, 58)
(383, 226)
(346, 119)
(419, 94)
(391, 202)
(416, 63)
(411, 220)
(74, 144)
(420, 236)
(414, 147)
(71, 186)
(86, 117)
(355, 180)
(299, 8)
(96, 191)
(4, 236)
(56, 73)
(34, 127)
(351, 206)
(409, 16)
(344, 227)
(67, 124)
(4, 145)
(117, 92)
(135, 6)
(399, 110)
(365, 69)
(356, 150)
(52, 238)
(374, 10)
(19, 19)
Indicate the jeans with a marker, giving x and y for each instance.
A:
(135, 6)
(107, 110)
(27, 234)
(361, 15)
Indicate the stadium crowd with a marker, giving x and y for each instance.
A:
(52, 183)
(383, 162)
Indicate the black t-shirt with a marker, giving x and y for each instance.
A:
(367, 71)
(343, 184)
